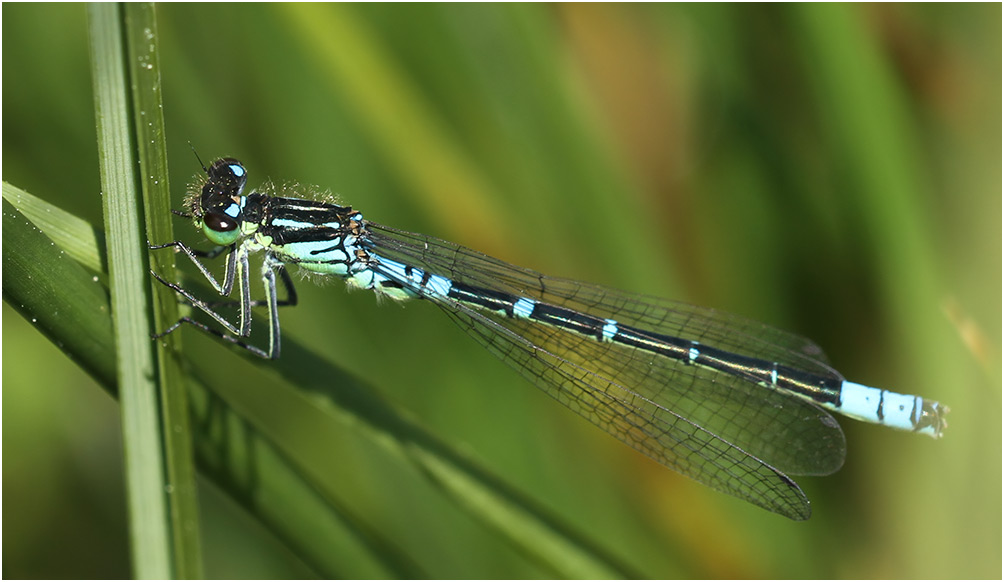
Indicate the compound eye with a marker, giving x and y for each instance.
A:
(220, 228)
(220, 222)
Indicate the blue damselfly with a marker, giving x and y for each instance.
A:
(730, 402)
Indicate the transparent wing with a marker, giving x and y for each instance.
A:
(719, 429)
(791, 434)
(658, 432)
(725, 330)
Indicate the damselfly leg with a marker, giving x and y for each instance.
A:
(237, 269)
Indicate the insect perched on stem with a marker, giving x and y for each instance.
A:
(732, 403)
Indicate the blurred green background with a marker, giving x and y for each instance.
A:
(831, 170)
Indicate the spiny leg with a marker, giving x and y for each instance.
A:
(291, 299)
(217, 333)
(193, 254)
(236, 267)
(269, 267)
(223, 288)
(232, 266)
(238, 261)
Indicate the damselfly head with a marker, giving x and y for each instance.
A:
(218, 208)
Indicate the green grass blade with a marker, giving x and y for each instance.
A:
(313, 525)
(144, 70)
(150, 526)
(60, 297)
(77, 238)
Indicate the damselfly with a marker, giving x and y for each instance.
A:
(732, 403)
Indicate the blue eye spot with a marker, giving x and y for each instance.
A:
(237, 169)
